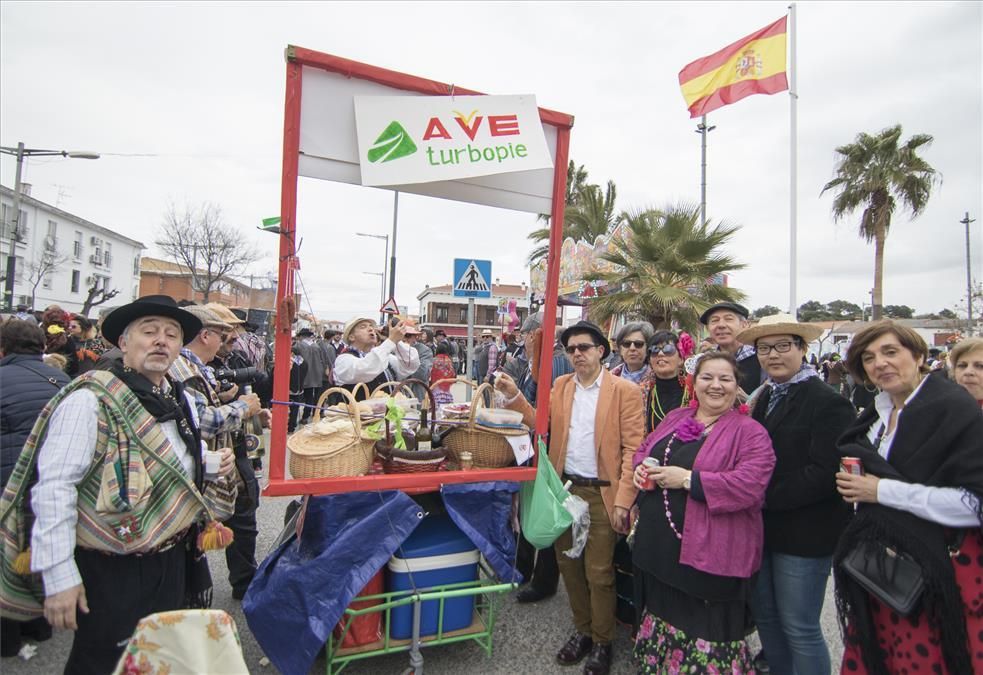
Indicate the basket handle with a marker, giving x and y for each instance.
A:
(392, 384)
(465, 380)
(479, 395)
(353, 413)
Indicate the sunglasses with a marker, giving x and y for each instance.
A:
(637, 344)
(582, 347)
(667, 349)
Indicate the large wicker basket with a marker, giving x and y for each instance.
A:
(345, 453)
(489, 450)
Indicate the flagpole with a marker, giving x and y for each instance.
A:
(703, 130)
(793, 161)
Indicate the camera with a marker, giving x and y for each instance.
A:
(229, 376)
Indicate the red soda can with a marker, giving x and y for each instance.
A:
(650, 463)
(852, 465)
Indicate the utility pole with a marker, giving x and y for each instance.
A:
(969, 278)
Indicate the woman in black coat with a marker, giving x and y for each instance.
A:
(919, 505)
(803, 514)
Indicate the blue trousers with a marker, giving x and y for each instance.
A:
(787, 602)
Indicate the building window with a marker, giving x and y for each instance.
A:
(491, 316)
(19, 271)
(464, 315)
(76, 280)
(46, 281)
(107, 257)
(136, 265)
(7, 222)
(52, 228)
(77, 246)
(440, 314)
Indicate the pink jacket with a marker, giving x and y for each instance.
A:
(725, 534)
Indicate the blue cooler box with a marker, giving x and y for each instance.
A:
(437, 553)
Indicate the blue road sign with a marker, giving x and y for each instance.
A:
(472, 278)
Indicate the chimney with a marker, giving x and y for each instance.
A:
(25, 189)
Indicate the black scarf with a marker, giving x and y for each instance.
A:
(936, 443)
(166, 406)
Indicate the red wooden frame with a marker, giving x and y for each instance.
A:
(279, 484)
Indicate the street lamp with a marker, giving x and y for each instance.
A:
(382, 291)
(21, 152)
(384, 237)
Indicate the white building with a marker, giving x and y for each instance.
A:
(61, 256)
(439, 309)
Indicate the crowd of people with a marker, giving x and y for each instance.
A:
(731, 478)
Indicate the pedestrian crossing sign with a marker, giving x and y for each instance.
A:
(472, 278)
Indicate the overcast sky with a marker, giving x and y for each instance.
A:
(185, 101)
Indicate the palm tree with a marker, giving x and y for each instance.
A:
(667, 268)
(588, 213)
(875, 172)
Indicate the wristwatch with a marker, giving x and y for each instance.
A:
(686, 481)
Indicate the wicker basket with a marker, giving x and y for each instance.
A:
(410, 461)
(314, 455)
(489, 450)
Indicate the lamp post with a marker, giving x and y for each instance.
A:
(384, 237)
(21, 152)
(382, 291)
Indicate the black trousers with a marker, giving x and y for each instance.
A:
(121, 590)
(539, 565)
(310, 398)
(294, 411)
(240, 555)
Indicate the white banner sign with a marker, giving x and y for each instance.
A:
(422, 139)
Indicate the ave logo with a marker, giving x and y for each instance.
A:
(438, 138)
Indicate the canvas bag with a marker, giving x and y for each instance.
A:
(541, 510)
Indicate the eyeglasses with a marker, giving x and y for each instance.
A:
(668, 349)
(637, 344)
(780, 347)
(582, 347)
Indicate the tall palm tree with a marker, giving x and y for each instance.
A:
(588, 213)
(666, 263)
(875, 173)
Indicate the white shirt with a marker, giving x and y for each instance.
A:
(402, 358)
(942, 505)
(581, 452)
(63, 460)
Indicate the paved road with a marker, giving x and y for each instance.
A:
(526, 636)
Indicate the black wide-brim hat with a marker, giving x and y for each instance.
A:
(730, 306)
(587, 327)
(150, 305)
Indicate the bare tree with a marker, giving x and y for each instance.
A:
(199, 239)
(96, 295)
(44, 264)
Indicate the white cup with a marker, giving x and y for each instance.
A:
(213, 460)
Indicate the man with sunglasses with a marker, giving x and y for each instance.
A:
(221, 419)
(596, 425)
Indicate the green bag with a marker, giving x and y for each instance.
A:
(541, 511)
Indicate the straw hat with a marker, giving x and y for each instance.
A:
(346, 334)
(778, 324)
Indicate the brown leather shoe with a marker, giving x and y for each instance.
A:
(599, 661)
(574, 651)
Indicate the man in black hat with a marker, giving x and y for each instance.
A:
(308, 349)
(121, 490)
(724, 321)
(596, 424)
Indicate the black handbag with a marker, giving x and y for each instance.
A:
(893, 578)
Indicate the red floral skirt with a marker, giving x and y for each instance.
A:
(909, 643)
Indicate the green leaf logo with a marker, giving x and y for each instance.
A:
(392, 143)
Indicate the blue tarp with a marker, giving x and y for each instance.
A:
(302, 588)
(483, 511)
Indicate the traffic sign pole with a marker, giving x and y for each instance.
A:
(470, 364)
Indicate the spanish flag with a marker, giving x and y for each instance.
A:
(753, 65)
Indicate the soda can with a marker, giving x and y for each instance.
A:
(852, 465)
(650, 463)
